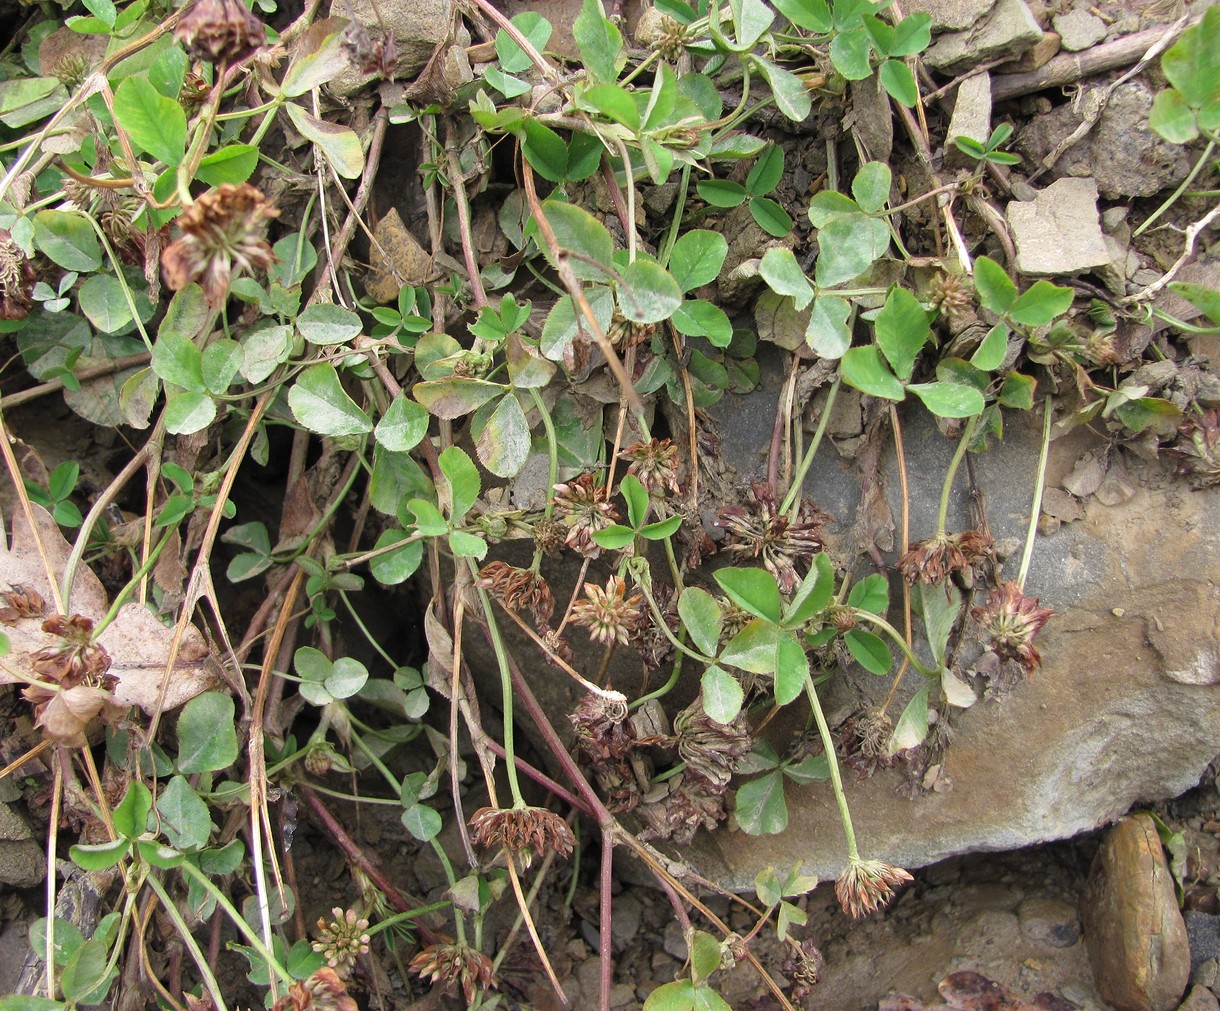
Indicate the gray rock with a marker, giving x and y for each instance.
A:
(23, 864)
(1101, 725)
(1120, 152)
(971, 118)
(1207, 974)
(1203, 931)
(872, 119)
(628, 913)
(1200, 999)
(1008, 30)
(1059, 232)
(417, 26)
(1079, 30)
(1134, 932)
(1051, 921)
(950, 15)
(1032, 59)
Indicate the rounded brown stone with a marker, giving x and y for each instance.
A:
(1135, 934)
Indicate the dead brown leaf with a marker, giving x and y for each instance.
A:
(395, 259)
(137, 641)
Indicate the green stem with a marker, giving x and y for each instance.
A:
(121, 597)
(675, 223)
(792, 499)
(506, 690)
(1176, 194)
(663, 625)
(1035, 509)
(832, 762)
(644, 65)
(184, 932)
(364, 629)
(899, 641)
(378, 764)
(552, 451)
(222, 900)
(397, 918)
(958, 455)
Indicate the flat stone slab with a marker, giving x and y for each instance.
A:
(1059, 232)
(971, 118)
(950, 15)
(1079, 30)
(1101, 726)
(1008, 30)
(1120, 153)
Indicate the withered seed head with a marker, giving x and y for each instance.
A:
(323, 991)
(802, 967)
(220, 30)
(524, 832)
(16, 279)
(455, 964)
(761, 531)
(655, 464)
(936, 559)
(1011, 621)
(19, 602)
(518, 589)
(581, 506)
(222, 231)
(711, 750)
(867, 885)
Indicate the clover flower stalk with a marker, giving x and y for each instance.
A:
(791, 503)
(552, 454)
(865, 885)
(1039, 485)
(958, 455)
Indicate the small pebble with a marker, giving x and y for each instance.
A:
(1200, 999)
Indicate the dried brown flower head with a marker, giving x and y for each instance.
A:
(19, 602)
(220, 31)
(455, 964)
(583, 510)
(711, 750)
(762, 531)
(16, 279)
(518, 589)
(222, 231)
(868, 885)
(1011, 621)
(522, 831)
(342, 939)
(949, 294)
(802, 967)
(66, 716)
(655, 464)
(1197, 451)
(323, 991)
(936, 559)
(865, 741)
(609, 615)
(687, 804)
(75, 658)
(648, 638)
(558, 645)
(372, 55)
(549, 535)
(602, 730)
